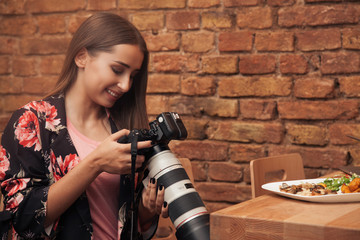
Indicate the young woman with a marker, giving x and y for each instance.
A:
(62, 170)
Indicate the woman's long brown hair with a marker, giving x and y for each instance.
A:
(101, 32)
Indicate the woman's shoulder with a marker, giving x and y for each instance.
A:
(43, 109)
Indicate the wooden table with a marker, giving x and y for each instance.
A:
(275, 217)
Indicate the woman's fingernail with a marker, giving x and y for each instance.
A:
(165, 204)
(152, 180)
(161, 187)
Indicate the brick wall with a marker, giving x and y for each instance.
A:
(250, 78)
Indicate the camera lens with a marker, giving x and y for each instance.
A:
(186, 209)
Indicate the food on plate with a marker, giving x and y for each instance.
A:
(347, 184)
(306, 189)
(352, 187)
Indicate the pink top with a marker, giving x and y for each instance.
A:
(103, 192)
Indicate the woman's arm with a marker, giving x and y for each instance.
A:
(109, 156)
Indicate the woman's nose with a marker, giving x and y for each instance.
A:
(125, 83)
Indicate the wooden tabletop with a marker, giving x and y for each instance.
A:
(275, 217)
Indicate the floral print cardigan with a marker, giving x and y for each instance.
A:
(37, 151)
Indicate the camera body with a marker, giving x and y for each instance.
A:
(167, 126)
(186, 209)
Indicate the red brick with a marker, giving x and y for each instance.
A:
(51, 64)
(216, 20)
(254, 86)
(76, 20)
(101, 5)
(350, 86)
(340, 62)
(42, 6)
(306, 134)
(12, 7)
(237, 3)
(317, 15)
(182, 20)
(162, 41)
(257, 109)
(50, 24)
(203, 3)
(326, 39)
(5, 65)
(151, 4)
(235, 41)
(163, 83)
(175, 62)
(198, 42)
(257, 64)
(219, 64)
(245, 132)
(274, 41)
(313, 87)
(255, 17)
(277, 3)
(225, 172)
(13, 102)
(148, 20)
(39, 85)
(316, 1)
(292, 63)
(318, 110)
(210, 106)
(351, 38)
(198, 86)
(10, 84)
(156, 104)
(8, 45)
(338, 133)
(314, 157)
(200, 150)
(215, 191)
(24, 66)
(245, 152)
(45, 45)
(17, 26)
(195, 127)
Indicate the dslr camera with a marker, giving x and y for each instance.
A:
(186, 209)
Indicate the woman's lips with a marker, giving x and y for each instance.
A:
(113, 93)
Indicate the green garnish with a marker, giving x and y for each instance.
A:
(335, 183)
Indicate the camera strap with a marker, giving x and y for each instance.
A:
(132, 206)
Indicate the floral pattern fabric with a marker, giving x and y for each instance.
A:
(36, 151)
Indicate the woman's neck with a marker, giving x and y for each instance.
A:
(87, 117)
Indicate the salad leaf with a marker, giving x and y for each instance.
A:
(335, 183)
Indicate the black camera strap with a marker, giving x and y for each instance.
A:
(132, 206)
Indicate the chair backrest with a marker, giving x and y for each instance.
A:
(275, 168)
(166, 229)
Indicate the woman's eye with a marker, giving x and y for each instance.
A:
(116, 71)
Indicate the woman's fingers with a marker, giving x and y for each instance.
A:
(165, 210)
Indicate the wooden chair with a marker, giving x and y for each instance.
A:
(273, 169)
(166, 229)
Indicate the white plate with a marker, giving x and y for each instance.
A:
(340, 197)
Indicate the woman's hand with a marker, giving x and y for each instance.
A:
(113, 157)
(152, 204)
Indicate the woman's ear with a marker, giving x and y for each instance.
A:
(81, 58)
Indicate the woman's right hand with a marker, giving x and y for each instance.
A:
(113, 157)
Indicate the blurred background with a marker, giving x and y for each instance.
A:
(250, 78)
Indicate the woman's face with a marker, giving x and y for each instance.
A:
(106, 76)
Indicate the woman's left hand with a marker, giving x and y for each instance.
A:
(152, 203)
